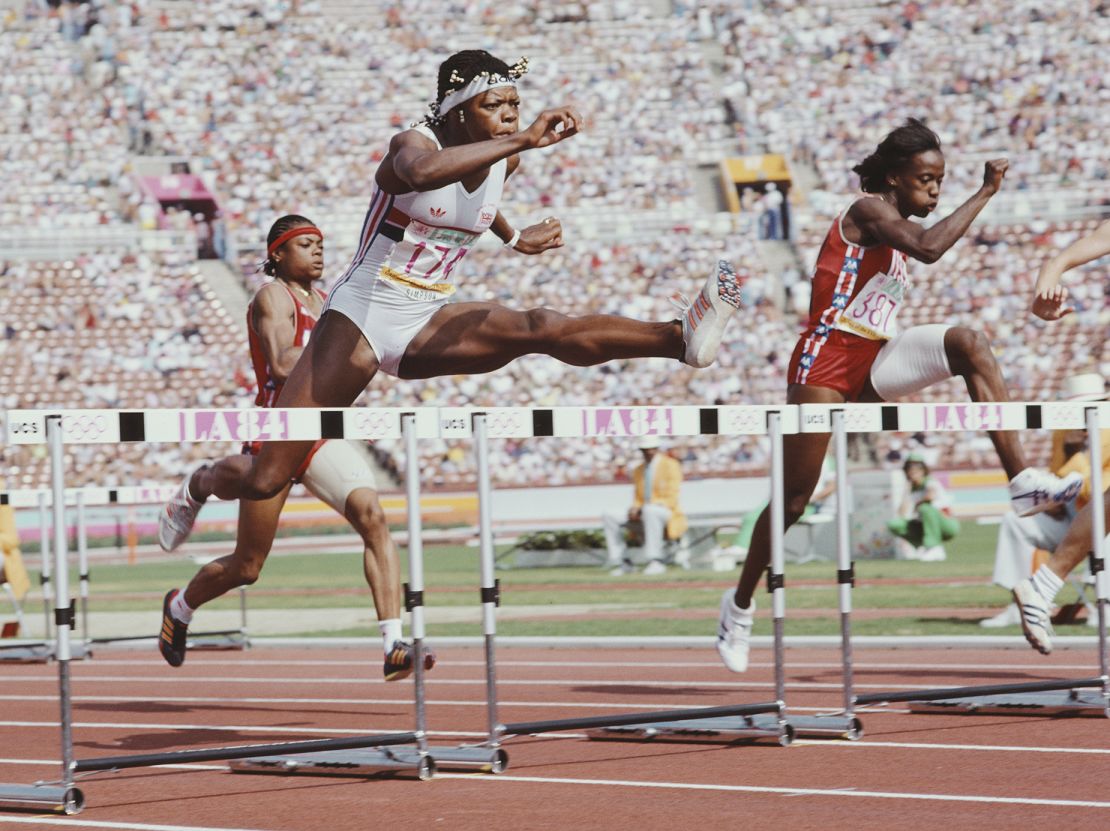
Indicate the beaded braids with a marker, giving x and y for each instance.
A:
(280, 226)
(892, 154)
(462, 68)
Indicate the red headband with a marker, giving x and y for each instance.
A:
(288, 235)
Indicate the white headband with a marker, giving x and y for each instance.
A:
(478, 85)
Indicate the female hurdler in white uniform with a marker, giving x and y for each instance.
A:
(436, 191)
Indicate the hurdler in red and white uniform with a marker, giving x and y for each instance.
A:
(335, 467)
(852, 335)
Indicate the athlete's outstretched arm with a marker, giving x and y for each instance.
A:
(880, 221)
(1049, 297)
(415, 163)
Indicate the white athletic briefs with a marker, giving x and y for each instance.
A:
(911, 361)
(388, 319)
(337, 469)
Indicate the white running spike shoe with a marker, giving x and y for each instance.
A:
(175, 523)
(1033, 490)
(734, 632)
(1036, 617)
(704, 320)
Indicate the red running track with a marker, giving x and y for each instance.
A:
(908, 772)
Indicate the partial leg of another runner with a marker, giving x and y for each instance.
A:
(924, 355)
(341, 475)
(1036, 595)
(258, 522)
(336, 365)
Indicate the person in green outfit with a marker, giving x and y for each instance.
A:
(924, 520)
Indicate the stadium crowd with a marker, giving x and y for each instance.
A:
(310, 97)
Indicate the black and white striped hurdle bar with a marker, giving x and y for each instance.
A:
(91, 496)
(361, 423)
(365, 423)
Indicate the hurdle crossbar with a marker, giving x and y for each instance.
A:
(530, 728)
(220, 754)
(987, 689)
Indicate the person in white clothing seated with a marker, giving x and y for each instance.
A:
(655, 513)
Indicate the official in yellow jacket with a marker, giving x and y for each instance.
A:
(12, 571)
(655, 511)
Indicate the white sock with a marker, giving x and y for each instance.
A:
(391, 631)
(189, 488)
(1047, 583)
(735, 610)
(180, 609)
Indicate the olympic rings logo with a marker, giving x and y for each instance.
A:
(861, 420)
(376, 424)
(743, 421)
(83, 427)
(507, 423)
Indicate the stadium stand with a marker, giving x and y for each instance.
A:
(310, 93)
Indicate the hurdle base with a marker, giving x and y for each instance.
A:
(29, 653)
(755, 727)
(232, 639)
(837, 726)
(1059, 703)
(40, 653)
(38, 798)
(483, 759)
(363, 763)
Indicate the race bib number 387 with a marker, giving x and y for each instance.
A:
(873, 314)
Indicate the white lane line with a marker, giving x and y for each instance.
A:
(508, 682)
(245, 728)
(992, 800)
(73, 822)
(261, 662)
(400, 702)
(53, 762)
(996, 748)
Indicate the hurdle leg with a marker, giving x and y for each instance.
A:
(775, 584)
(83, 570)
(45, 574)
(60, 796)
(414, 594)
(63, 609)
(489, 588)
(1098, 553)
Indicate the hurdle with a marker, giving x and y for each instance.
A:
(80, 498)
(1077, 696)
(39, 652)
(761, 720)
(373, 753)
